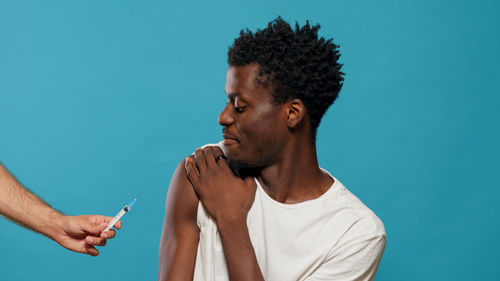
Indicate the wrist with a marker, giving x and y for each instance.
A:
(53, 227)
(231, 224)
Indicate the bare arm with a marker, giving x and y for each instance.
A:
(180, 235)
(238, 250)
(76, 233)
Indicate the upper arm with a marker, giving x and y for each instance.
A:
(180, 235)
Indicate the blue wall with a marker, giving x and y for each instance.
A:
(99, 100)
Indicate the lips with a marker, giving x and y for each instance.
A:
(229, 139)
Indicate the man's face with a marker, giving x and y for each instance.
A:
(255, 129)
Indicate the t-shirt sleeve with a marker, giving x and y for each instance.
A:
(356, 258)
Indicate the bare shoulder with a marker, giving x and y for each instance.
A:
(181, 205)
(181, 198)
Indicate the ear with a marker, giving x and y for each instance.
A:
(296, 112)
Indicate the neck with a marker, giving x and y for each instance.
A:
(296, 177)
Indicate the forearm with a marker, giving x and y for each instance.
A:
(239, 253)
(25, 208)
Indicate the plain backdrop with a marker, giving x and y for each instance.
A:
(100, 100)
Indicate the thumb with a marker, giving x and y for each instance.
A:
(92, 225)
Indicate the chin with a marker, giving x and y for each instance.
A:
(242, 168)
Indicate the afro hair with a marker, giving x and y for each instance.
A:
(295, 63)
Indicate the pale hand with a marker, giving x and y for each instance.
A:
(82, 233)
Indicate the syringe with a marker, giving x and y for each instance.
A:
(121, 213)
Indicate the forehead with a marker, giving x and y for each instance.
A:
(240, 81)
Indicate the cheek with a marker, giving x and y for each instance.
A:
(269, 131)
(260, 127)
(263, 136)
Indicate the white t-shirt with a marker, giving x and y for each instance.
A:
(332, 237)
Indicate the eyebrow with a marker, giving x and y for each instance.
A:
(233, 95)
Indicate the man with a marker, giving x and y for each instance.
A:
(261, 208)
(76, 233)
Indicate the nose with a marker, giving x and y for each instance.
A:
(225, 118)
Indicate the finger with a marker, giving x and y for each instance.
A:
(93, 224)
(191, 170)
(200, 161)
(118, 225)
(192, 165)
(107, 220)
(217, 151)
(223, 163)
(89, 249)
(108, 234)
(209, 157)
(95, 241)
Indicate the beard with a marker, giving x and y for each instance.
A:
(243, 169)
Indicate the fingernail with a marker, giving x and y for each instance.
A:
(90, 240)
(105, 235)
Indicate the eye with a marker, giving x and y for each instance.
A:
(238, 106)
(238, 109)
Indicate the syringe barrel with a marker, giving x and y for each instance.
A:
(117, 217)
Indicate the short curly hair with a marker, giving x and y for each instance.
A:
(296, 63)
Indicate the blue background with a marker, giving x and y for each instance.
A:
(99, 100)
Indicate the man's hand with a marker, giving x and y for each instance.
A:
(226, 196)
(82, 233)
(75, 233)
